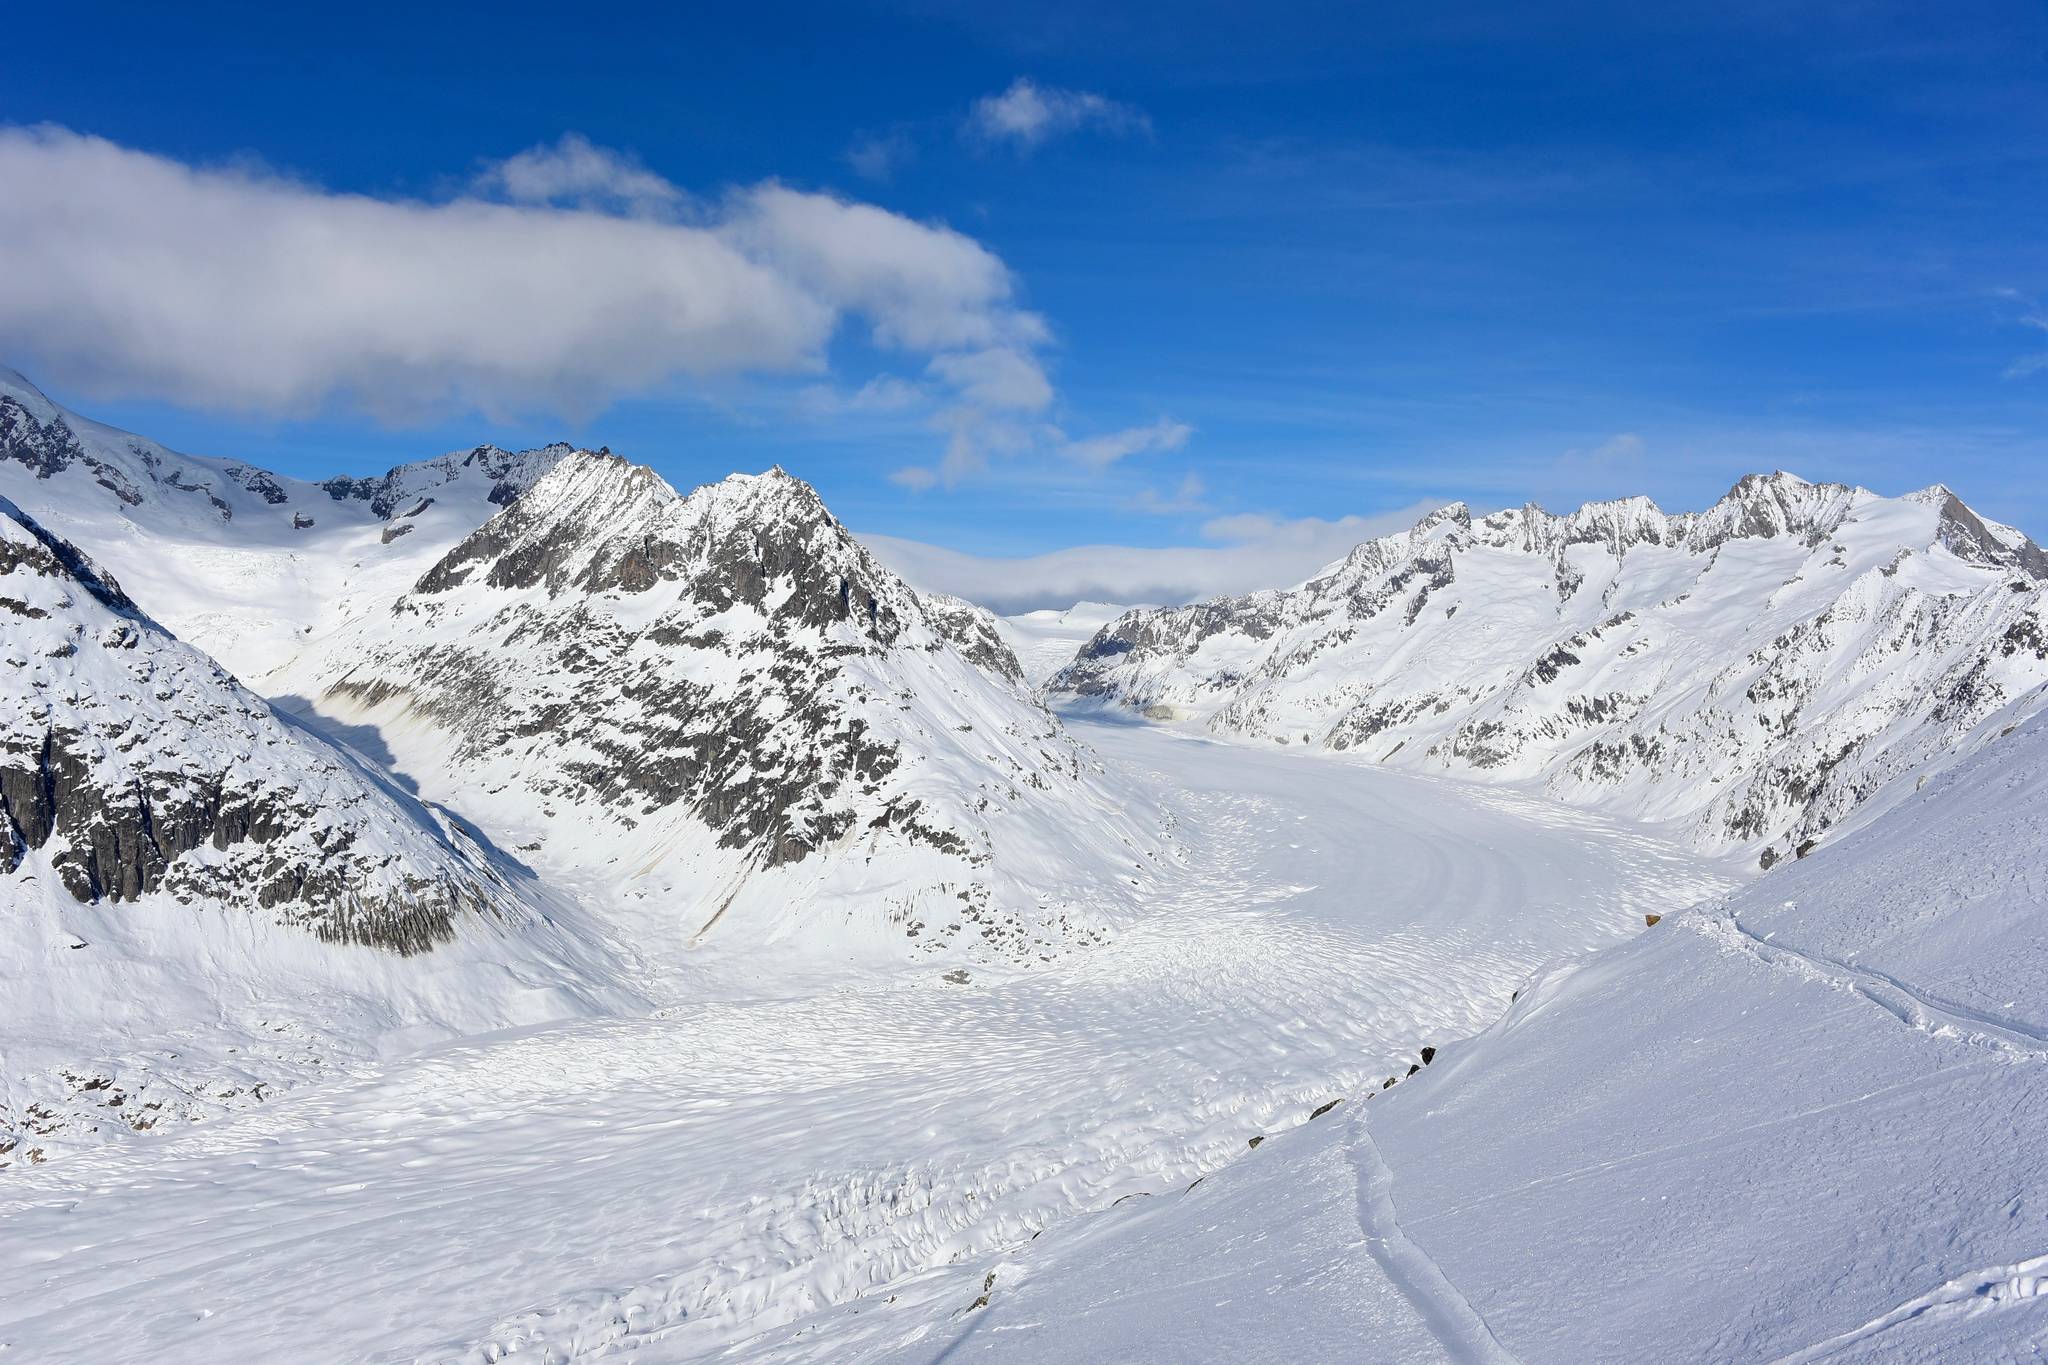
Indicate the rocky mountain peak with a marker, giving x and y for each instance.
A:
(1450, 514)
(508, 474)
(600, 524)
(1775, 504)
(725, 683)
(1974, 540)
(18, 389)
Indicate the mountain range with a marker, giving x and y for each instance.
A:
(1752, 675)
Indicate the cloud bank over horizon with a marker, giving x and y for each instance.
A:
(1248, 552)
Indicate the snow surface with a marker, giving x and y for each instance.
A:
(167, 1002)
(245, 564)
(1046, 641)
(763, 1151)
(1799, 1123)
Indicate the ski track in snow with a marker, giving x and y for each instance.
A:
(1907, 1004)
(682, 1183)
(1456, 1325)
(1988, 1290)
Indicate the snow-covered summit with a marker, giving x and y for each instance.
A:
(1757, 670)
(1046, 641)
(242, 561)
(703, 696)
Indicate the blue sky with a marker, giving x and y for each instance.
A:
(1268, 263)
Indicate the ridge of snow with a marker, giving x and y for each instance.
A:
(243, 562)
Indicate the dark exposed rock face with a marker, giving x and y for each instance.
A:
(772, 759)
(47, 448)
(128, 753)
(973, 632)
(261, 482)
(730, 671)
(392, 493)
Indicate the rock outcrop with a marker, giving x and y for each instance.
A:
(132, 766)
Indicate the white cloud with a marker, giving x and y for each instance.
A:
(2036, 362)
(579, 279)
(916, 478)
(1100, 452)
(1250, 552)
(998, 378)
(576, 171)
(924, 287)
(1028, 114)
(981, 427)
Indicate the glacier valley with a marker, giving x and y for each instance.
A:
(514, 910)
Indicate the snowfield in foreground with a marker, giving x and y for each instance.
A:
(771, 1171)
(1801, 1123)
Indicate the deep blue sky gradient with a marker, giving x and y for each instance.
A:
(1370, 252)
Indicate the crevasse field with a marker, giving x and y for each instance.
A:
(768, 1170)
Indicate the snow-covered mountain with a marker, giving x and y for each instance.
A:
(1755, 671)
(240, 561)
(722, 706)
(175, 855)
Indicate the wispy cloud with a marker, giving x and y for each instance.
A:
(885, 393)
(1003, 391)
(1618, 459)
(2036, 362)
(1100, 452)
(1185, 500)
(1001, 378)
(1029, 114)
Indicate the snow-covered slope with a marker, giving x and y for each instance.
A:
(759, 1173)
(1803, 1117)
(1046, 641)
(1756, 671)
(242, 562)
(722, 707)
(175, 856)
(1799, 1123)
